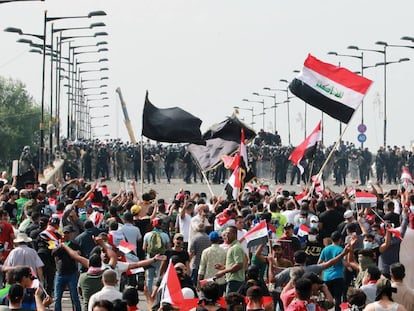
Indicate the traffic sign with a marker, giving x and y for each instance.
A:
(362, 137)
(362, 128)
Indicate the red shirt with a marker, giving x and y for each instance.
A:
(5, 238)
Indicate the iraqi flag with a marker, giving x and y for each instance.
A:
(332, 89)
(170, 287)
(126, 247)
(257, 235)
(362, 197)
(406, 178)
(241, 173)
(301, 196)
(303, 230)
(307, 148)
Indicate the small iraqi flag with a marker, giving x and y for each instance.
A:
(307, 148)
(257, 235)
(126, 247)
(365, 197)
(303, 230)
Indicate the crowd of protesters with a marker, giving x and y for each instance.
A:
(322, 252)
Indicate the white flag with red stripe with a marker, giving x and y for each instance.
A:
(307, 148)
(256, 235)
(126, 247)
(170, 287)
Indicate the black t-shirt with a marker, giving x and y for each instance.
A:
(313, 250)
(182, 255)
(66, 264)
(330, 220)
(393, 218)
(11, 209)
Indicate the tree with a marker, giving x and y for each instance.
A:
(20, 117)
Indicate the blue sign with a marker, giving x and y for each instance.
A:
(362, 128)
(362, 137)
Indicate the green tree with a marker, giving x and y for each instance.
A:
(20, 117)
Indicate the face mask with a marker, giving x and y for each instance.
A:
(311, 237)
(302, 220)
(367, 245)
(412, 209)
(314, 225)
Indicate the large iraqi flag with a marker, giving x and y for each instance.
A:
(332, 89)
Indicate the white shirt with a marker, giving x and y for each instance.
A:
(110, 293)
(184, 226)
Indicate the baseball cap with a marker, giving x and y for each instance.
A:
(314, 218)
(50, 187)
(214, 236)
(178, 236)
(314, 278)
(348, 214)
(135, 209)
(156, 222)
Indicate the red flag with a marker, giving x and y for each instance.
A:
(170, 287)
(307, 148)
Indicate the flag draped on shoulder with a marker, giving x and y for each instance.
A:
(332, 89)
(257, 235)
(221, 139)
(170, 287)
(307, 148)
(241, 171)
(170, 125)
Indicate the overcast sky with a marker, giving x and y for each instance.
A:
(206, 56)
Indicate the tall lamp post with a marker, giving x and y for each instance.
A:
(275, 104)
(288, 105)
(259, 102)
(383, 52)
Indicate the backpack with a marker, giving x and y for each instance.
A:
(155, 244)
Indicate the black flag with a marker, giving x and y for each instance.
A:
(170, 125)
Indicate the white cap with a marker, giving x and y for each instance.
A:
(314, 218)
(348, 214)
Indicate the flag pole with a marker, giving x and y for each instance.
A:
(207, 181)
(310, 171)
(330, 156)
(142, 165)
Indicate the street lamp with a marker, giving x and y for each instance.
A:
(259, 102)
(384, 52)
(275, 104)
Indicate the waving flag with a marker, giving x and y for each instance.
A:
(126, 247)
(365, 197)
(406, 178)
(257, 235)
(170, 287)
(241, 173)
(170, 125)
(332, 89)
(221, 139)
(307, 148)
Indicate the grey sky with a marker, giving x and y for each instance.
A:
(206, 56)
